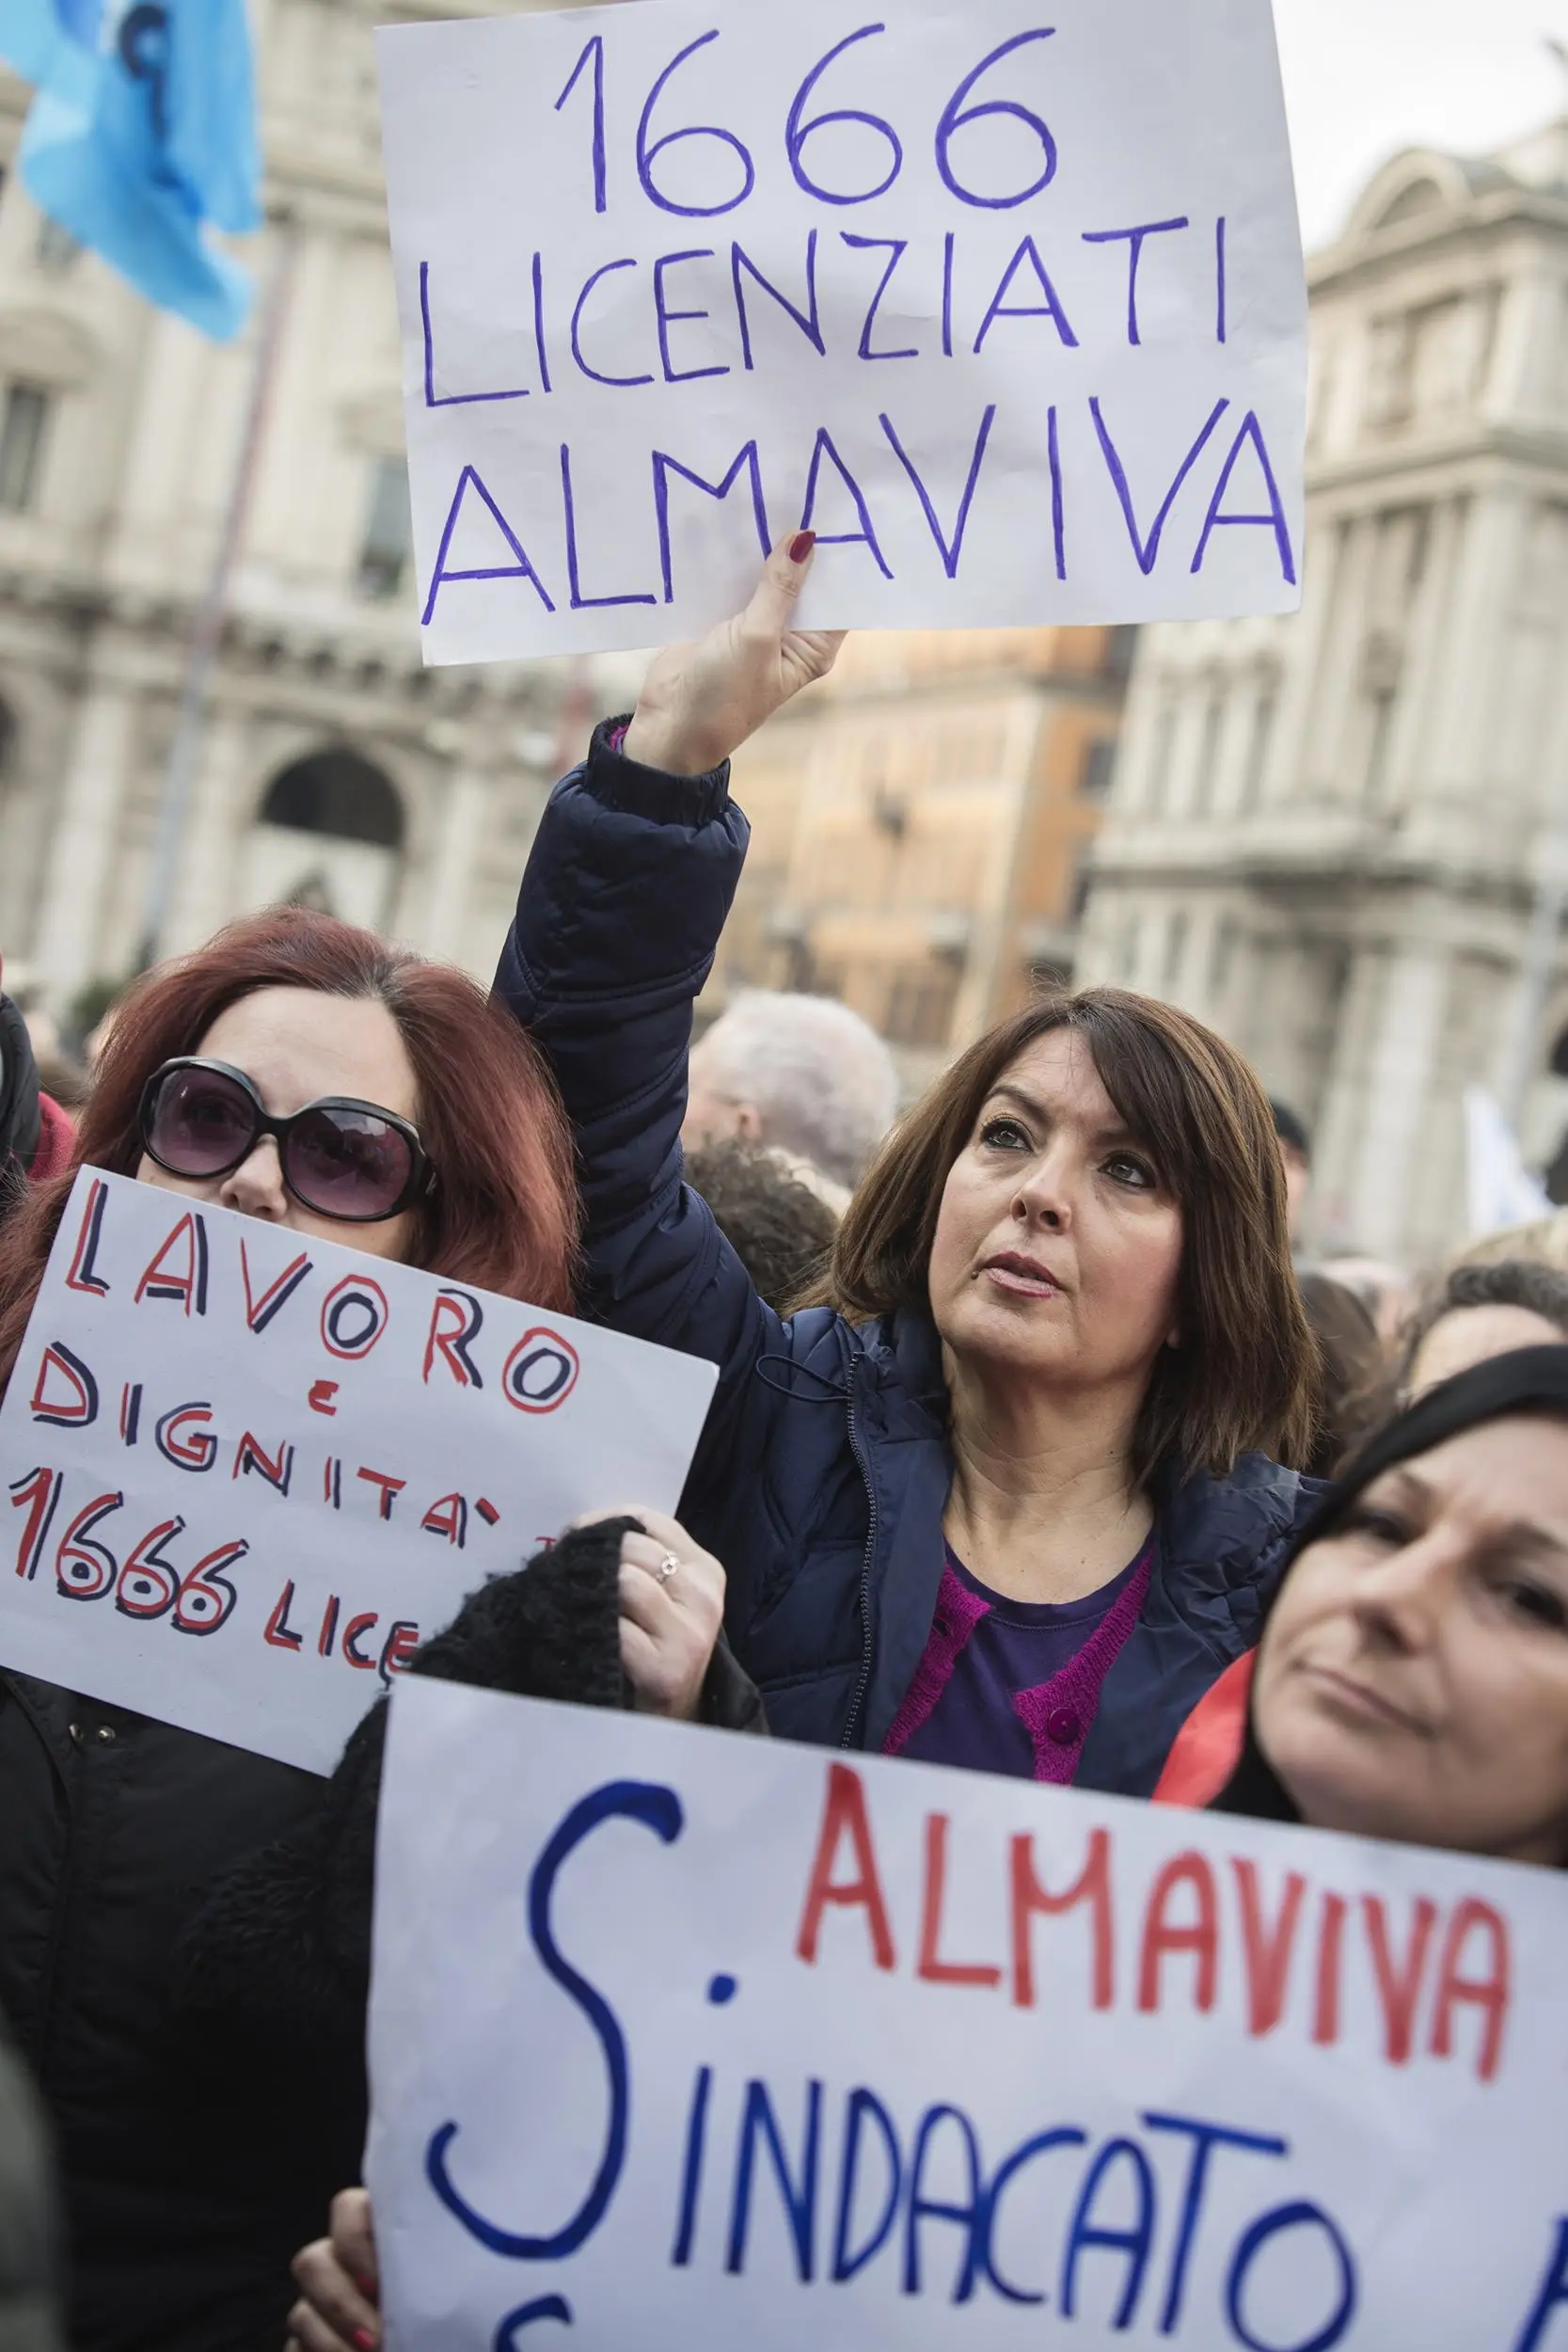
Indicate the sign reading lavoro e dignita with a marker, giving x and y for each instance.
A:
(247, 1471)
(1005, 301)
(684, 2041)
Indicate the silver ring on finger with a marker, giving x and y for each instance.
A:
(667, 1567)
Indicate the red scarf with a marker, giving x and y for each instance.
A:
(56, 1142)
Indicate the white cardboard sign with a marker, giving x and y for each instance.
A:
(1005, 301)
(248, 1470)
(680, 2040)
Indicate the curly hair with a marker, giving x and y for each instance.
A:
(778, 1227)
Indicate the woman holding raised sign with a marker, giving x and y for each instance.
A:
(1003, 1496)
(304, 1073)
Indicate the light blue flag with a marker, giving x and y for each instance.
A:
(46, 40)
(143, 134)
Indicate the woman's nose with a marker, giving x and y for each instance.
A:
(1045, 1196)
(1401, 1599)
(256, 1187)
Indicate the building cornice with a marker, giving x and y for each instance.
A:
(293, 653)
(1389, 252)
(1336, 853)
(1540, 447)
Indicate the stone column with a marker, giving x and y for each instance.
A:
(1380, 1095)
(67, 940)
(204, 895)
(447, 930)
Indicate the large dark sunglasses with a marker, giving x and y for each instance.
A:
(343, 1159)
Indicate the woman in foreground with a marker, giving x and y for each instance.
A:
(1009, 1494)
(1412, 1682)
(304, 1073)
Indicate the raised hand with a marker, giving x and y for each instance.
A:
(699, 703)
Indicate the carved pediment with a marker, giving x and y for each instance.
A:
(45, 347)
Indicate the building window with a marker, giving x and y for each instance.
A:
(1381, 742)
(1209, 757)
(1121, 644)
(1389, 365)
(23, 421)
(920, 1007)
(1222, 961)
(389, 537)
(1258, 748)
(336, 793)
(1434, 361)
(54, 249)
(1097, 768)
(1163, 758)
(1176, 951)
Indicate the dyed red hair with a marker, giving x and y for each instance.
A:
(504, 1212)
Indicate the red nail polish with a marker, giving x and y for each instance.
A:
(802, 545)
(362, 2340)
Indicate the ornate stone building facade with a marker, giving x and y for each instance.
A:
(334, 768)
(1326, 835)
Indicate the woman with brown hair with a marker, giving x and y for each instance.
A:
(303, 1073)
(1001, 1494)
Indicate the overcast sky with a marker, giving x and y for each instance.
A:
(1366, 78)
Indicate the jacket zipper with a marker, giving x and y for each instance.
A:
(852, 1720)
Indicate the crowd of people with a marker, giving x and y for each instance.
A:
(1034, 1451)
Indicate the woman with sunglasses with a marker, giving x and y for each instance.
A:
(300, 1072)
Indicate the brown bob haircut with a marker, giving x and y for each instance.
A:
(1244, 1376)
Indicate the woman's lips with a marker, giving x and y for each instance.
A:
(1021, 1279)
(1357, 1699)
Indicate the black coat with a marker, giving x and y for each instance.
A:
(184, 1951)
(29, 2309)
(113, 1833)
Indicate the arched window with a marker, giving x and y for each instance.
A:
(338, 793)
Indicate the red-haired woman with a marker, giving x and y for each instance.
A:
(303, 1073)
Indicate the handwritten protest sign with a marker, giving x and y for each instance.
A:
(683, 2039)
(1006, 301)
(249, 1471)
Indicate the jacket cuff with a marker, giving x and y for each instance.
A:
(731, 1700)
(624, 784)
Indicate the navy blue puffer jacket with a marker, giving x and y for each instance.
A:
(823, 1471)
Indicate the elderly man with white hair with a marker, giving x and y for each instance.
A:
(802, 1075)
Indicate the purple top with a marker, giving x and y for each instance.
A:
(1013, 1686)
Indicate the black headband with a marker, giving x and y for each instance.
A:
(1532, 1380)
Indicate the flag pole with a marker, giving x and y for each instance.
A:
(184, 754)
